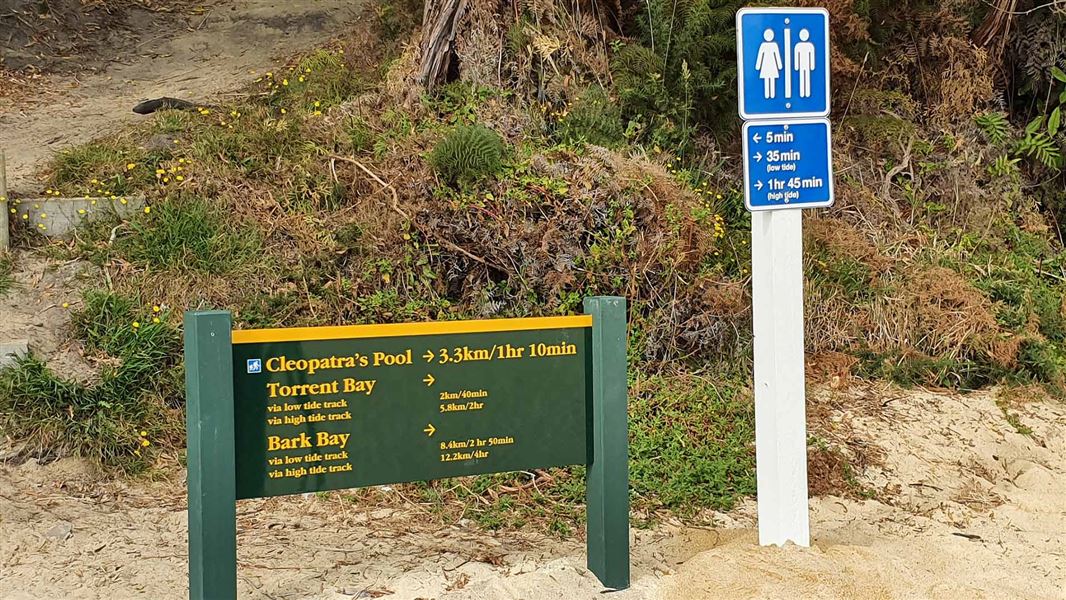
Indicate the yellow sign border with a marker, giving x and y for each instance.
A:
(347, 332)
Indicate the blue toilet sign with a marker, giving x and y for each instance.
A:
(783, 62)
(787, 164)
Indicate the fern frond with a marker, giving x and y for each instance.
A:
(994, 125)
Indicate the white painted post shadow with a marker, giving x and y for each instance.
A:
(780, 397)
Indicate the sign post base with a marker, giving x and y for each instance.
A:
(607, 492)
(780, 412)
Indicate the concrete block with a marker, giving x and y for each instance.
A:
(56, 217)
(11, 351)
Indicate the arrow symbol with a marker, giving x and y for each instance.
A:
(430, 430)
(756, 138)
(758, 185)
(758, 157)
(428, 380)
(429, 356)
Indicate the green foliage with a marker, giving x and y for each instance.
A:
(467, 154)
(1038, 142)
(911, 369)
(457, 102)
(695, 41)
(106, 324)
(7, 268)
(691, 443)
(1012, 418)
(593, 119)
(102, 168)
(253, 142)
(74, 166)
(1004, 166)
(360, 136)
(655, 115)
(103, 421)
(1040, 146)
(318, 82)
(188, 234)
(995, 126)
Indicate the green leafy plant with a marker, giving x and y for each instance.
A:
(994, 125)
(1040, 142)
(467, 154)
(697, 37)
(594, 119)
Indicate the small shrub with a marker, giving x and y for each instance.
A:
(594, 119)
(1044, 362)
(467, 154)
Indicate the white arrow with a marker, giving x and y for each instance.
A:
(758, 185)
(758, 157)
(756, 138)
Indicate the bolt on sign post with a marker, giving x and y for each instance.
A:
(286, 411)
(784, 98)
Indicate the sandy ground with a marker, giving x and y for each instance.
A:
(213, 56)
(966, 507)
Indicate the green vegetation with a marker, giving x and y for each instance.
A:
(188, 233)
(467, 154)
(118, 420)
(691, 443)
(7, 267)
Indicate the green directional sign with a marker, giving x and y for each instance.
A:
(284, 411)
(343, 407)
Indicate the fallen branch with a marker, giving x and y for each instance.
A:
(400, 211)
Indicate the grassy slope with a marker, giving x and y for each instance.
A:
(313, 201)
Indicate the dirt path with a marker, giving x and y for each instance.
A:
(967, 507)
(212, 56)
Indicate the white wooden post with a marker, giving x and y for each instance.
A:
(780, 398)
(5, 243)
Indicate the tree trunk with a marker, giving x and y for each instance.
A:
(440, 22)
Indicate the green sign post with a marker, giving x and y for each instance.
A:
(284, 411)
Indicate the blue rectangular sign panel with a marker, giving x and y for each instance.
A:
(787, 164)
(783, 62)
